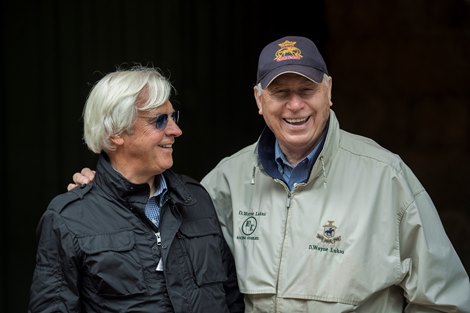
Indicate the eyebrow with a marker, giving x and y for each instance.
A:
(156, 115)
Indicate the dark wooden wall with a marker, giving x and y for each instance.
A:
(399, 76)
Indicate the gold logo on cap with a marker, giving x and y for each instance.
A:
(288, 51)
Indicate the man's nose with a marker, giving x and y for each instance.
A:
(173, 129)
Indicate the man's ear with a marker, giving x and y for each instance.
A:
(330, 87)
(117, 140)
(257, 95)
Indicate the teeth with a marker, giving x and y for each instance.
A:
(296, 120)
(165, 146)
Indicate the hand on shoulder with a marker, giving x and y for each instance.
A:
(85, 176)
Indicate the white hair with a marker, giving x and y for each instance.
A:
(113, 103)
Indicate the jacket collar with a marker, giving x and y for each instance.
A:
(266, 153)
(118, 187)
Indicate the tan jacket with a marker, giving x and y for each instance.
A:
(360, 236)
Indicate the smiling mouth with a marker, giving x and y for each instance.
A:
(166, 146)
(297, 121)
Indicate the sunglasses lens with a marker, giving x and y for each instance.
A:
(161, 121)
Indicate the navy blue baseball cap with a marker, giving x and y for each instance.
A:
(290, 54)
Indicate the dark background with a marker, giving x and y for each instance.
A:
(400, 76)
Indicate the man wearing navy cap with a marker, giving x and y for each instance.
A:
(321, 220)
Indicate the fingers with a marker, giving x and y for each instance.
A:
(71, 186)
(80, 179)
(88, 173)
(85, 176)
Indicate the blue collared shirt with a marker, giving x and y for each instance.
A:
(299, 173)
(156, 201)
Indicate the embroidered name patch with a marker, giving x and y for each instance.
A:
(328, 236)
(250, 220)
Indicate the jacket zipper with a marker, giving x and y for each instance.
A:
(159, 238)
(287, 204)
(159, 243)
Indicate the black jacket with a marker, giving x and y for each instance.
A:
(97, 251)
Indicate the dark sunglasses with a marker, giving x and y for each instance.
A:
(161, 120)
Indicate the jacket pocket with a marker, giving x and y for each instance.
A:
(112, 265)
(201, 242)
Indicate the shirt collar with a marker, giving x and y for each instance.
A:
(282, 160)
(266, 150)
(160, 189)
